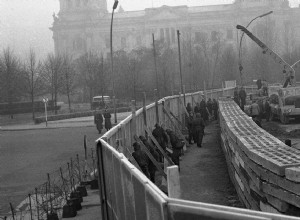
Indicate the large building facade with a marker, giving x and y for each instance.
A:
(84, 25)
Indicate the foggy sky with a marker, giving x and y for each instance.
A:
(25, 23)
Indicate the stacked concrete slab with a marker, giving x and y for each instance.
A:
(265, 171)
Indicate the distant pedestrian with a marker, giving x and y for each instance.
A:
(210, 106)
(267, 110)
(215, 109)
(141, 158)
(160, 136)
(254, 110)
(203, 110)
(189, 125)
(189, 108)
(98, 120)
(198, 128)
(177, 146)
(107, 118)
(151, 167)
(236, 97)
(243, 96)
(197, 108)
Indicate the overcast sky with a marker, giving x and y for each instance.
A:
(25, 23)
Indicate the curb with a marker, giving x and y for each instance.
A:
(39, 128)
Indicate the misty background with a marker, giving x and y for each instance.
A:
(25, 23)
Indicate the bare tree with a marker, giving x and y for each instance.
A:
(10, 78)
(211, 49)
(69, 77)
(228, 63)
(52, 75)
(33, 80)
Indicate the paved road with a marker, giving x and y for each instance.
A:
(29, 152)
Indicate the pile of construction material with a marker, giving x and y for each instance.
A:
(265, 171)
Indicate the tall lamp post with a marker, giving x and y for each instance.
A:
(241, 40)
(180, 70)
(112, 58)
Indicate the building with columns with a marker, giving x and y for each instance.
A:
(84, 25)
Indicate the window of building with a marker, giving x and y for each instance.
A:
(78, 44)
(107, 42)
(139, 41)
(173, 35)
(229, 34)
(162, 34)
(200, 36)
(214, 36)
(69, 4)
(168, 36)
(123, 42)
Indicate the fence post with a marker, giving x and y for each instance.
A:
(30, 207)
(156, 106)
(37, 204)
(101, 181)
(173, 182)
(133, 121)
(144, 110)
(12, 210)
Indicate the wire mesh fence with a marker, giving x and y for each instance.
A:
(49, 198)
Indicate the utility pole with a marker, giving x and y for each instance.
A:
(112, 58)
(180, 72)
(155, 66)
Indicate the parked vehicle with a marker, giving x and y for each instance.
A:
(100, 102)
(285, 104)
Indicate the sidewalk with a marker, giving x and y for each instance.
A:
(67, 123)
(203, 172)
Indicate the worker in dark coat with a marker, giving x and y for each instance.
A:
(98, 120)
(107, 119)
(160, 136)
(209, 106)
(189, 125)
(189, 108)
(141, 158)
(215, 109)
(197, 108)
(203, 110)
(177, 146)
(199, 126)
(267, 110)
(151, 167)
(243, 96)
(236, 97)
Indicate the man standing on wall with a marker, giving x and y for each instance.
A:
(243, 96)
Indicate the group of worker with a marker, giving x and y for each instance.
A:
(98, 119)
(259, 108)
(198, 118)
(169, 143)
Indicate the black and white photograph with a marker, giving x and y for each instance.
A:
(149, 109)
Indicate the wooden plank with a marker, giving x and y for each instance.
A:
(281, 194)
(144, 148)
(180, 134)
(159, 147)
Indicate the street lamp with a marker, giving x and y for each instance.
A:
(111, 57)
(241, 39)
(45, 100)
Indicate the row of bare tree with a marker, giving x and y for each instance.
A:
(205, 62)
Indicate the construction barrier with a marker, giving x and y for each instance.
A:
(125, 193)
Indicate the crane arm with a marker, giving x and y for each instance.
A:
(288, 71)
